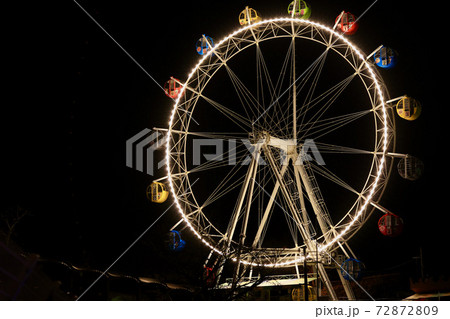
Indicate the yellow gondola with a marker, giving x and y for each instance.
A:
(249, 16)
(157, 192)
(298, 294)
(408, 108)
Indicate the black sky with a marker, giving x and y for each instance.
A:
(77, 97)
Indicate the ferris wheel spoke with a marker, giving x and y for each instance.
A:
(224, 136)
(324, 172)
(280, 110)
(278, 120)
(330, 92)
(243, 122)
(226, 185)
(247, 100)
(326, 126)
(335, 92)
(262, 79)
(296, 86)
(338, 149)
(301, 79)
(364, 194)
(231, 156)
(317, 71)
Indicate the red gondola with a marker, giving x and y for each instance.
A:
(209, 277)
(390, 225)
(173, 88)
(346, 22)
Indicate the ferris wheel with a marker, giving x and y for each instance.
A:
(281, 142)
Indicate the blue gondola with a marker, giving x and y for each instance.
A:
(175, 242)
(204, 44)
(385, 57)
(351, 269)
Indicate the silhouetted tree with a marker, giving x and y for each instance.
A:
(10, 218)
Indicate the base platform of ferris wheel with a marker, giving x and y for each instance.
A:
(270, 281)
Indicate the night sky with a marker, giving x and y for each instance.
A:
(77, 98)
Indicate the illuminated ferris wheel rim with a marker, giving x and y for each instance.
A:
(381, 165)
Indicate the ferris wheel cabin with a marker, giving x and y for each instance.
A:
(346, 22)
(385, 58)
(175, 242)
(204, 45)
(209, 276)
(298, 294)
(299, 9)
(390, 225)
(173, 88)
(249, 16)
(409, 108)
(410, 168)
(157, 192)
(351, 269)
